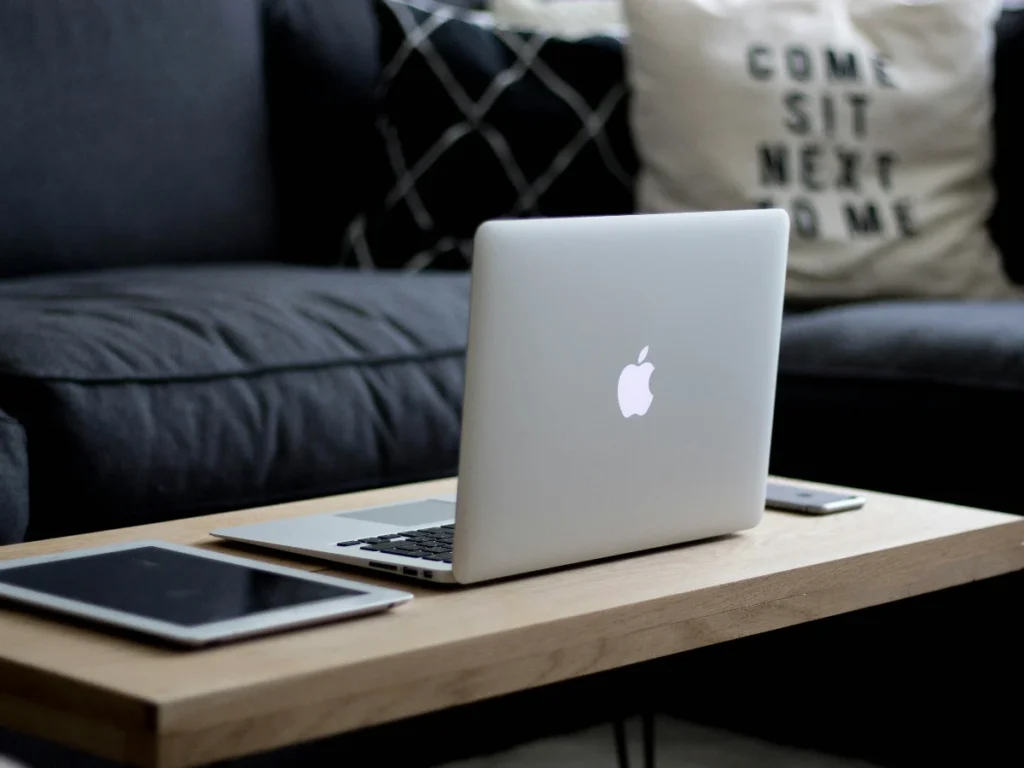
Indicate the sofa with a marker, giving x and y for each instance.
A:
(178, 338)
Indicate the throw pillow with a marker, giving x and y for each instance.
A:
(481, 121)
(868, 120)
(570, 18)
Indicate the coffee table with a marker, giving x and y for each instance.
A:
(150, 706)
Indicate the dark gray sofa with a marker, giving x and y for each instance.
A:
(174, 340)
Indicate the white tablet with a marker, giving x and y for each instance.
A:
(185, 594)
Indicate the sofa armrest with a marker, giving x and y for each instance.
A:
(13, 481)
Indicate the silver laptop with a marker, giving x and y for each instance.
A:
(620, 384)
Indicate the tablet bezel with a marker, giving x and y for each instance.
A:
(371, 599)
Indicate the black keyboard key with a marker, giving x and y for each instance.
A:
(400, 552)
(347, 543)
(449, 527)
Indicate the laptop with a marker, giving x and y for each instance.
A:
(620, 385)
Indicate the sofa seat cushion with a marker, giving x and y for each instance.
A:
(923, 399)
(153, 393)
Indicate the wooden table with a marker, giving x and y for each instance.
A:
(151, 706)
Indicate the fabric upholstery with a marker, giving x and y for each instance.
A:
(924, 399)
(132, 133)
(1006, 226)
(150, 394)
(322, 62)
(13, 481)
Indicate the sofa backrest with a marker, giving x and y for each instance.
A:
(163, 131)
(132, 132)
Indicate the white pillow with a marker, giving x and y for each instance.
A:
(563, 18)
(868, 120)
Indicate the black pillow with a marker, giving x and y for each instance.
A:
(481, 121)
(1006, 226)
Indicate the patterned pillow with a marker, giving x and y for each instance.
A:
(481, 121)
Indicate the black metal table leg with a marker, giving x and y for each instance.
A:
(621, 748)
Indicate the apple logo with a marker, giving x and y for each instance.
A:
(634, 387)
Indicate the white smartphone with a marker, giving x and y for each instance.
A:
(809, 501)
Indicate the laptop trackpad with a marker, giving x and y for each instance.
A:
(405, 515)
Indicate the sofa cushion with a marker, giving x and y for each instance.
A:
(132, 132)
(151, 393)
(924, 399)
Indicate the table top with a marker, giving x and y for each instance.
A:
(153, 706)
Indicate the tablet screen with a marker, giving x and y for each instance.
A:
(170, 586)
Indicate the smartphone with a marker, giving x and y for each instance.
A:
(793, 498)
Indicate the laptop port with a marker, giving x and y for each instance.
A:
(383, 566)
(410, 571)
(428, 574)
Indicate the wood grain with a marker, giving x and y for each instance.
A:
(151, 706)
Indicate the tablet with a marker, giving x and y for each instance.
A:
(184, 594)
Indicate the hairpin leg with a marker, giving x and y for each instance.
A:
(649, 743)
(621, 749)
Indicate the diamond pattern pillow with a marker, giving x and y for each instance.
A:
(482, 121)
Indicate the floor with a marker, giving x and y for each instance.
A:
(679, 745)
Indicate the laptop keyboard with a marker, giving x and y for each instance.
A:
(434, 544)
